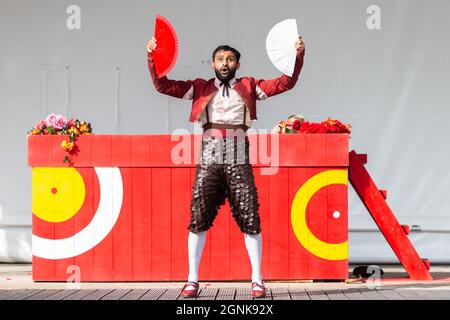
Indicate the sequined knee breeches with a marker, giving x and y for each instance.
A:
(224, 171)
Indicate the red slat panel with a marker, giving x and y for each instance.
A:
(161, 224)
(40, 151)
(142, 241)
(298, 263)
(279, 209)
(122, 231)
(181, 200)
(101, 150)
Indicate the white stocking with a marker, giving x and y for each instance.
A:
(253, 242)
(196, 243)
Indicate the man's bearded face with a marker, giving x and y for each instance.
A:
(225, 65)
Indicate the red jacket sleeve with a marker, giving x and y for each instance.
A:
(163, 85)
(281, 84)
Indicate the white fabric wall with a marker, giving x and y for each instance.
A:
(391, 84)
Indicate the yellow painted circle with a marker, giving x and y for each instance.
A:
(57, 193)
(321, 249)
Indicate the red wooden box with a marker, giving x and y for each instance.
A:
(121, 211)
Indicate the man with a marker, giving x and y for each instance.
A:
(226, 107)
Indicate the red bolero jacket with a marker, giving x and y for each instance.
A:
(204, 90)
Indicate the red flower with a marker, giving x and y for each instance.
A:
(296, 125)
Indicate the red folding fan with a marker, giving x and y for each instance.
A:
(166, 52)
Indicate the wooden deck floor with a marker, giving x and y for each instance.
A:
(225, 294)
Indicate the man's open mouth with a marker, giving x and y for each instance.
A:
(224, 70)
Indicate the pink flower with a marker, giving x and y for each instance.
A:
(71, 123)
(40, 125)
(56, 121)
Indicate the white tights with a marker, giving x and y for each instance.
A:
(196, 243)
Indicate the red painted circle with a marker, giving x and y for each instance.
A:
(54, 190)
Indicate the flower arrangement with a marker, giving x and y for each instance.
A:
(56, 124)
(297, 124)
(291, 125)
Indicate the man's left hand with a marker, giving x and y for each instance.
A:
(299, 44)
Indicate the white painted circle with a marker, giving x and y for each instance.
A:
(111, 195)
(336, 214)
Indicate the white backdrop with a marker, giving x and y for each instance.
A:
(392, 84)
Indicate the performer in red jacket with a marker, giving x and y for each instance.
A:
(226, 107)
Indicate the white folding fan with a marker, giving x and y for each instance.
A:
(280, 45)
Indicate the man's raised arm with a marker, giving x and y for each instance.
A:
(281, 84)
(174, 88)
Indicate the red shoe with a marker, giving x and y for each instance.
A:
(258, 291)
(190, 293)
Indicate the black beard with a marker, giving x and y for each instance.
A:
(231, 74)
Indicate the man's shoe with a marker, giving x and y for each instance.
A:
(190, 293)
(258, 291)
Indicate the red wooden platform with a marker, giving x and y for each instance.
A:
(120, 213)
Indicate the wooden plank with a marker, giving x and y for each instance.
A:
(101, 150)
(427, 294)
(317, 295)
(316, 151)
(171, 294)
(279, 209)
(335, 295)
(43, 181)
(44, 294)
(59, 153)
(280, 294)
(180, 203)
(10, 293)
(152, 294)
(97, 294)
(337, 224)
(354, 294)
(317, 220)
(385, 219)
(40, 151)
(298, 294)
(208, 294)
(298, 262)
(142, 240)
(243, 294)
(160, 151)
(23, 294)
(81, 156)
(337, 150)
(62, 294)
(296, 155)
(226, 294)
(161, 224)
(134, 294)
(390, 294)
(372, 294)
(79, 294)
(123, 230)
(121, 151)
(103, 260)
(116, 294)
(444, 294)
(409, 294)
(140, 151)
(64, 200)
(85, 261)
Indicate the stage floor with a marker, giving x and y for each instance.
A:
(16, 284)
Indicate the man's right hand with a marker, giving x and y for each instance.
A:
(151, 46)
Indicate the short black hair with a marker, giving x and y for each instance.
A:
(227, 48)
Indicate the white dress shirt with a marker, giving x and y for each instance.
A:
(229, 110)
